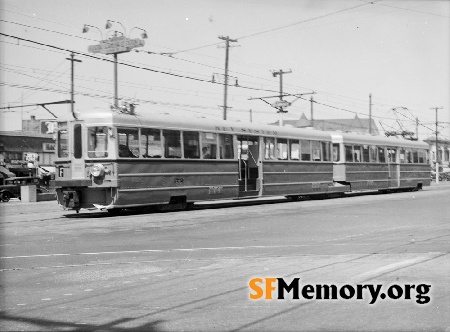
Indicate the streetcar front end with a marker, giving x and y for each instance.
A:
(85, 169)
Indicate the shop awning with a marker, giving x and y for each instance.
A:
(6, 172)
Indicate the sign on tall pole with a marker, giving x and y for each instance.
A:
(116, 45)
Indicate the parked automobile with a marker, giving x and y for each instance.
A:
(444, 173)
(11, 187)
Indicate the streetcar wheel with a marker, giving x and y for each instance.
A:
(6, 196)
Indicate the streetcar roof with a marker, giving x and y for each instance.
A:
(382, 140)
(107, 117)
(207, 125)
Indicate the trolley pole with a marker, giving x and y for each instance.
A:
(312, 111)
(72, 60)
(227, 48)
(437, 145)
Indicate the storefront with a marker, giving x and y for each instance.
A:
(26, 154)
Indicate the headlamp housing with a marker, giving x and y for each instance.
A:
(97, 170)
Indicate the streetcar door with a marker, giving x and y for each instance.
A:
(248, 157)
(78, 171)
(394, 168)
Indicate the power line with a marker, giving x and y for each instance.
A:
(48, 30)
(130, 65)
(411, 10)
(304, 21)
(163, 72)
(277, 28)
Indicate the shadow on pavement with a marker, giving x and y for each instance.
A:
(39, 324)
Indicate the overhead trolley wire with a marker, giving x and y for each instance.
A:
(131, 65)
(177, 75)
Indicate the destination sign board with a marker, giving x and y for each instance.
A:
(116, 44)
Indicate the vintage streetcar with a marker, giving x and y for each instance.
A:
(112, 161)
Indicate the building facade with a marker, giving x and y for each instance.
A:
(443, 151)
(30, 152)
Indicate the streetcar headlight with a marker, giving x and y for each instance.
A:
(97, 170)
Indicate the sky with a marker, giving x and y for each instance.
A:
(338, 52)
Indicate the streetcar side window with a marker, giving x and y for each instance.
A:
(326, 151)
(226, 146)
(402, 156)
(191, 145)
(282, 149)
(373, 154)
(382, 154)
(209, 145)
(392, 155)
(336, 152)
(63, 139)
(172, 144)
(407, 157)
(77, 147)
(316, 151)
(305, 150)
(365, 154)
(415, 157)
(151, 143)
(357, 153)
(349, 153)
(97, 142)
(128, 142)
(269, 148)
(295, 149)
(422, 156)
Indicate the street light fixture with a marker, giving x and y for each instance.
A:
(143, 35)
(108, 25)
(114, 46)
(86, 29)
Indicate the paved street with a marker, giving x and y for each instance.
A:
(190, 270)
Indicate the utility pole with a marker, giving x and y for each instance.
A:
(116, 87)
(370, 114)
(227, 47)
(417, 127)
(312, 111)
(251, 117)
(281, 107)
(437, 146)
(72, 106)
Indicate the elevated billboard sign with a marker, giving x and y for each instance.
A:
(114, 45)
